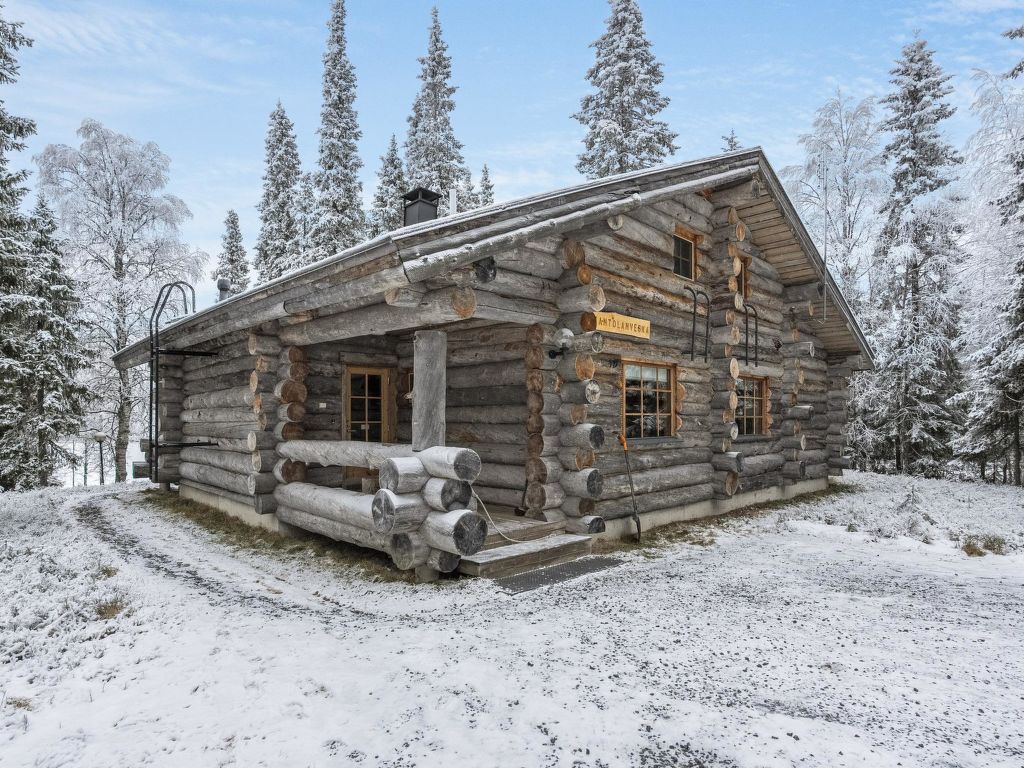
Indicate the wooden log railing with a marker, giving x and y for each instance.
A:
(419, 516)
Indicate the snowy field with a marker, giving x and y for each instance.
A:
(811, 635)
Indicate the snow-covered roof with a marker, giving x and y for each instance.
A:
(462, 234)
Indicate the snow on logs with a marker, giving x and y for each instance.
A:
(419, 516)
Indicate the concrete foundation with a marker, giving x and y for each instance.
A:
(624, 527)
(235, 509)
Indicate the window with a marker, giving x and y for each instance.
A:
(752, 405)
(684, 257)
(648, 393)
(368, 408)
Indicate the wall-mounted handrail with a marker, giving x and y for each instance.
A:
(188, 300)
(747, 309)
(696, 293)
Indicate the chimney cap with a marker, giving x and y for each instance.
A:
(421, 193)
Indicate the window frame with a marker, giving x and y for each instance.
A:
(695, 239)
(761, 422)
(673, 420)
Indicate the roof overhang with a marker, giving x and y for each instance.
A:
(425, 250)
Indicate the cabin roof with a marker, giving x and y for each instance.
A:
(424, 248)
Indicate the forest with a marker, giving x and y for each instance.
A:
(924, 237)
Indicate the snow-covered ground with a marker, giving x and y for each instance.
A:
(806, 635)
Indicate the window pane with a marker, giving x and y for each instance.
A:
(632, 426)
(632, 401)
(357, 410)
(683, 258)
(358, 384)
(664, 402)
(373, 384)
(373, 434)
(373, 410)
(357, 433)
(650, 401)
(662, 426)
(632, 375)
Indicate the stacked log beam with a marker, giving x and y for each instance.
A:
(839, 374)
(562, 483)
(221, 407)
(418, 516)
(634, 265)
(170, 375)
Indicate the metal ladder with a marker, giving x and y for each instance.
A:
(698, 294)
(188, 299)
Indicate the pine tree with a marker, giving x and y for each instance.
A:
(623, 133)
(917, 334)
(921, 159)
(16, 302)
(52, 405)
(730, 143)
(277, 247)
(340, 222)
(433, 156)
(467, 198)
(307, 217)
(232, 262)
(486, 193)
(386, 214)
(1017, 33)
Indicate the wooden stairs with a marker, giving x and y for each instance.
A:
(537, 545)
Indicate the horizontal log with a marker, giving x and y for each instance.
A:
(344, 506)
(332, 528)
(612, 509)
(234, 397)
(654, 480)
(460, 532)
(402, 474)
(398, 513)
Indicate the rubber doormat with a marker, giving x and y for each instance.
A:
(555, 574)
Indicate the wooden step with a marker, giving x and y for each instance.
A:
(528, 556)
(519, 529)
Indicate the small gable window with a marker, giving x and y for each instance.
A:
(685, 252)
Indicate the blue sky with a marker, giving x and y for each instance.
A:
(200, 77)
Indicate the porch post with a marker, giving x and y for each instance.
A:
(430, 360)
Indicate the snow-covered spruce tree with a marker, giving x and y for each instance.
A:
(307, 217)
(120, 232)
(623, 133)
(1017, 33)
(339, 222)
(486, 193)
(730, 143)
(839, 187)
(386, 211)
(433, 156)
(916, 333)
(278, 247)
(467, 198)
(232, 262)
(50, 405)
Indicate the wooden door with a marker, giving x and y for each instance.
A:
(369, 410)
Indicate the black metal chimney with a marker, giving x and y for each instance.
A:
(420, 205)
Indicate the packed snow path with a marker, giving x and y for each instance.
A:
(786, 641)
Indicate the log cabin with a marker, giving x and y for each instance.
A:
(488, 391)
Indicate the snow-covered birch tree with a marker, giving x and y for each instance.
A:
(387, 209)
(121, 234)
(278, 247)
(232, 262)
(839, 187)
(340, 221)
(433, 156)
(623, 132)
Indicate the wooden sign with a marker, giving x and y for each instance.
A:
(623, 325)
